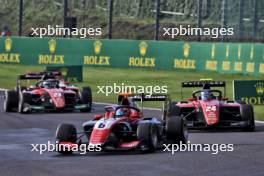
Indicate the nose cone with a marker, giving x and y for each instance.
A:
(59, 102)
(212, 118)
(211, 112)
(99, 136)
(57, 97)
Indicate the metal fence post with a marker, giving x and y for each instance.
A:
(157, 20)
(255, 20)
(224, 16)
(65, 12)
(110, 18)
(20, 17)
(240, 23)
(199, 17)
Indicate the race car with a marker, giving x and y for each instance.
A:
(50, 93)
(208, 108)
(125, 127)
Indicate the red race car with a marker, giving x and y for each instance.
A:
(49, 93)
(208, 108)
(125, 127)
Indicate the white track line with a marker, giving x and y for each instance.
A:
(107, 104)
(258, 121)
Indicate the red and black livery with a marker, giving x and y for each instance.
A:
(49, 93)
(209, 108)
(125, 126)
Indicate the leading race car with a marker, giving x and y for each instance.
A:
(208, 108)
(126, 127)
(50, 93)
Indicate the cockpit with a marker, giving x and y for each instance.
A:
(207, 94)
(49, 84)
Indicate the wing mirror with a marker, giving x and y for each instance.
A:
(63, 86)
(134, 115)
(33, 87)
(140, 114)
(98, 116)
(192, 99)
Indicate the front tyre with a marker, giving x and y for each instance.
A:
(24, 103)
(248, 115)
(148, 136)
(86, 98)
(66, 133)
(177, 131)
(10, 100)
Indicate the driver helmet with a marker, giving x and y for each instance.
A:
(52, 83)
(46, 84)
(122, 112)
(205, 94)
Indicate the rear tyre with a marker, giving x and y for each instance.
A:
(10, 100)
(120, 99)
(66, 133)
(248, 115)
(177, 130)
(86, 98)
(148, 136)
(23, 88)
(24, 103)
(174, 110)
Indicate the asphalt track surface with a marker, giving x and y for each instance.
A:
(18, 131)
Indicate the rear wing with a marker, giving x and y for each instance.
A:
(29, 76)
(153, 97)
(203, 83)
(130, 99)
(37, 76)
(143, 97)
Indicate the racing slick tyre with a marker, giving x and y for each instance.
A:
(120, 99)
(66, 133)
(23, 88)
(147, 134)
(10, 100)
(248, 115)
(177, 130)
(86, 98)
(24, 103)
(174, 110)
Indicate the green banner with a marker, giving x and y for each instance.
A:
(250, 91)
(70, 73)
(246, 58)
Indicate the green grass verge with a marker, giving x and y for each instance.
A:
(108, 76)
